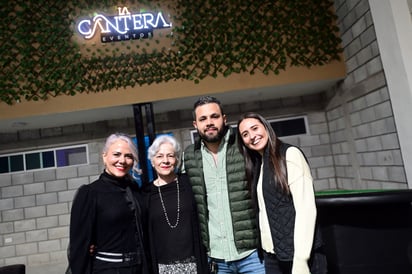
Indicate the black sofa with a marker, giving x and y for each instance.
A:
(13, 269)
(367, 232)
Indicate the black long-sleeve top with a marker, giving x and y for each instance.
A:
(104, 216)
(171, 244)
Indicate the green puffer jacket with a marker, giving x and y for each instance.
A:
(243, 214)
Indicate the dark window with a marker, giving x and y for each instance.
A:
(44, 159)
(289, 127)
(16, 163)
(48, 158)
(4, 164)
(33, 161)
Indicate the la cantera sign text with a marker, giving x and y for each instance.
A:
(124, 26)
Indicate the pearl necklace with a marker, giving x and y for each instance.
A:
(164, 208)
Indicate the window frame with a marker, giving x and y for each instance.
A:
(41, 159)
(193, 132)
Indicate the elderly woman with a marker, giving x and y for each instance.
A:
(172, 217)
(106, 216)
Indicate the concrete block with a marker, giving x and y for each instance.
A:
(357, 104)
(22, 178)
(380, 173)
(59, 257)
(324, 138)
(374, 98)
(6, 228)
(309, 140)
(94, 158)
(367, 115)
(46, 199)
(360, 74)
(66, 196)
(364, 55)
(6, 204)
(25, 201)
(325, 172)
(58, 233)
(316, 117)
(342, 160)
(66, 172)
(396, 174)
(57, 209)
(26, 249)
(48, 246)
(75, 183)
(14, 238)
(7, 251)
(385, 158)
(374, 65)
(322, 184)
(397, 157)
(368, 159)
(65, 242)
(38, 259)
(35, 212)
(353, 47)
(383, 110)
(359, 27)
(64, 220)
(320, 150)
(374, 143)
(45, 175)
(352, 63)
(36, 235)
(58, 185)
(383, 126)
(16, 260)
(5, 180)
(12, 191)
(24, 225)
(12, 215)
(88, 170)
(30, 189)
(318, 128)
(319, 161)
(361, 145)
(47, 222)
(362, 131)
(366, 173)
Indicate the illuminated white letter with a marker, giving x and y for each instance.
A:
(80, 26)
(137, 21)
(160, 17)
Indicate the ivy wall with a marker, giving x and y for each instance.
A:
(41, 56)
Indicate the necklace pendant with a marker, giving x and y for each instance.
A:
(164, 207)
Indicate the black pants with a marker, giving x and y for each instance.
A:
(274, 266)
(317, 264)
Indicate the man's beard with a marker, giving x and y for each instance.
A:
(215, 138)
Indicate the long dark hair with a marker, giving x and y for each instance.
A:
(276, 158)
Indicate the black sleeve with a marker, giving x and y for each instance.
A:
(81, 231)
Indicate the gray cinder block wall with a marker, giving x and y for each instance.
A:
(363, 135)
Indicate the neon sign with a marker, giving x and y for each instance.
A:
(124, 26)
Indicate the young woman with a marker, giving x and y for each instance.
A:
(282, 187)
(173, 227)
(106, 216)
